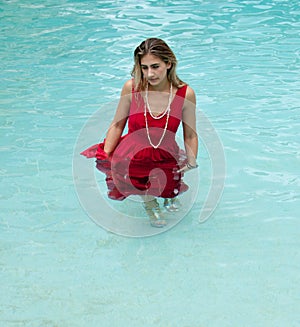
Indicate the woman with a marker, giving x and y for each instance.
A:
(147, 160)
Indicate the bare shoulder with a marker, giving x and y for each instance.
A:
(190, 95)
(127, 87)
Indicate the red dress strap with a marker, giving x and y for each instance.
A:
(182, 91)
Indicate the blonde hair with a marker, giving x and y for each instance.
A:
(160, 49)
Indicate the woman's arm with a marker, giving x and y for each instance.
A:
(189, 128)
(118, 124)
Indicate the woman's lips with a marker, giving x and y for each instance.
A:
(153, 80)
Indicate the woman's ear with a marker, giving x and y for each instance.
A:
(169, 65)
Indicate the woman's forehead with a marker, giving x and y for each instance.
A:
(150, 59)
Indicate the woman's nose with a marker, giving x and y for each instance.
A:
(150, 72)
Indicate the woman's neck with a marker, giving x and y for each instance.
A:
(162, 87)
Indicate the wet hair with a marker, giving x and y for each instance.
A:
(160, 49)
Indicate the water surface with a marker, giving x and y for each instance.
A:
(63, 60)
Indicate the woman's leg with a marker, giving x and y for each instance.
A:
(154, 213)
(172, 204)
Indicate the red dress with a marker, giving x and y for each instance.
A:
(135, 167)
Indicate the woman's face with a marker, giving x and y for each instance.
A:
(154, 69)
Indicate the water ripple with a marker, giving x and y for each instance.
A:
(63, 60)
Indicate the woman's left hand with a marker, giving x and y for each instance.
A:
(186, 168)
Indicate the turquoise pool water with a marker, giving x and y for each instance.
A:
(63, 60)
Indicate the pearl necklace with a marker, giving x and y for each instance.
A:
(165, 112)
(168, 106)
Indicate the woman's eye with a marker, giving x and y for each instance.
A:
(153, 67)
